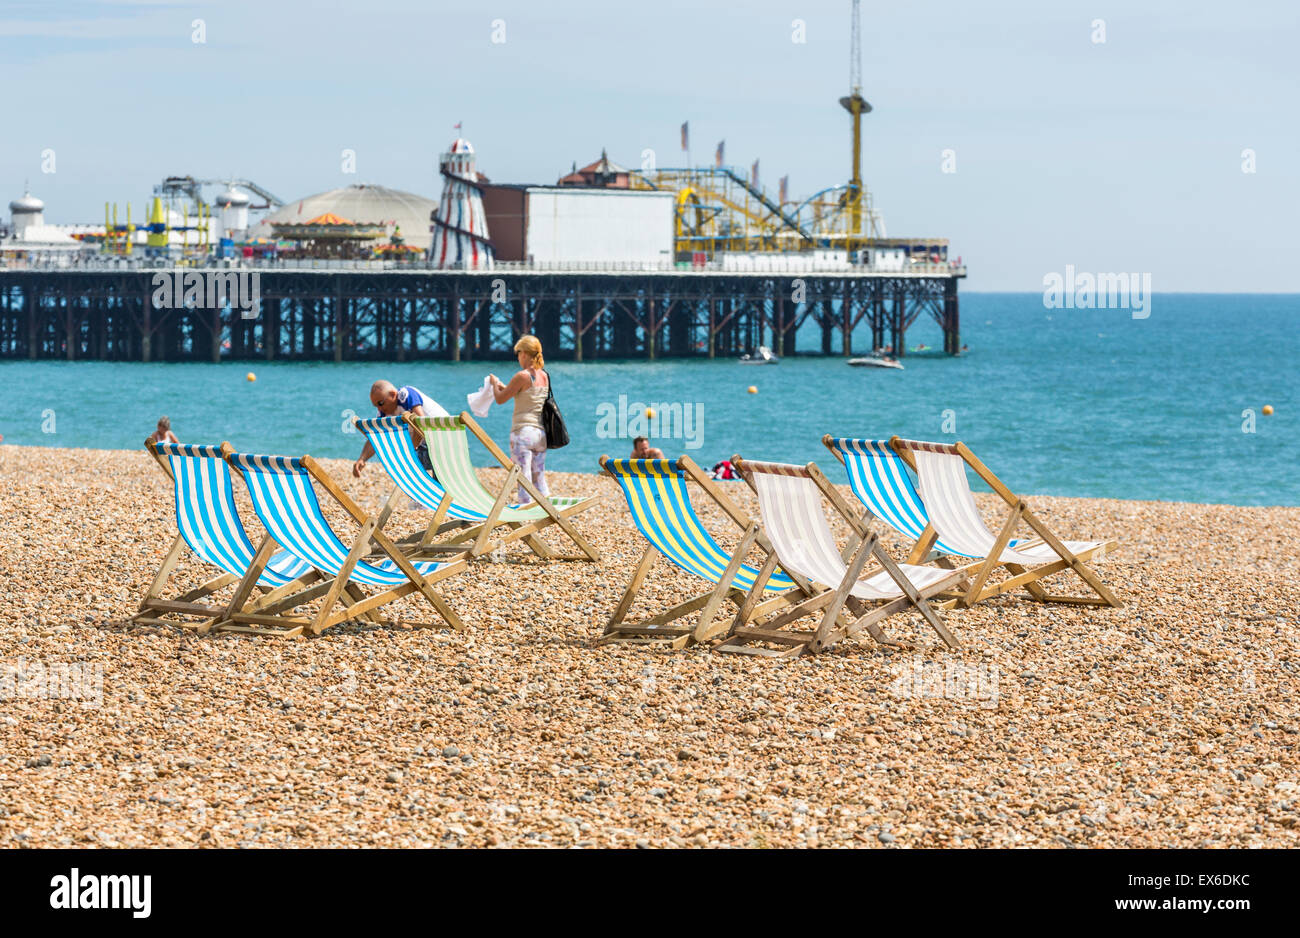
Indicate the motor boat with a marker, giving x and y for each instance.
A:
(764, 356)
(876, 361)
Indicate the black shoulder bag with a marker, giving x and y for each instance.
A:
(557, 434)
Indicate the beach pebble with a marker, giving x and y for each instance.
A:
(1169, 722)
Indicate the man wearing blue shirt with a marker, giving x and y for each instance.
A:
(389, 400)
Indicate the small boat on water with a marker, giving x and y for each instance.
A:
(876, 361)
(764, 356)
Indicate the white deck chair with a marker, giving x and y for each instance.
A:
(790, 502)
(950, 505)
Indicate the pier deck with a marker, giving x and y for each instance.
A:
(356, 311)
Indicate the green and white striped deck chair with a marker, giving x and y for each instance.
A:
(657, 496)
(390, 438)
(448, 442)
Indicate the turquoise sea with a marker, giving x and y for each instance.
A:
(1063, 402)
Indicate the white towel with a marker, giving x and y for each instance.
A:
(482, 399)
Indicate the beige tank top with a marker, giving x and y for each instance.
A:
(528, 408)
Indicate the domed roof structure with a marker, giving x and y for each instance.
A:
(28, 203)
(232, 196)
(365, 204)
(460, 145)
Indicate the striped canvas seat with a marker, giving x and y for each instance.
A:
(391, 440)
(286, 503)
(661, 509)
(791, 508)
(946, 491)
(882, 482)
(208, 520)
(448, 443)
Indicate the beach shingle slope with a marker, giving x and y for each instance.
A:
(1170, 722)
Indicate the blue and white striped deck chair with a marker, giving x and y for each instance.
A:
(209, 524)
(883, 483)
(657, 496)
(448, 442)
(286, 503)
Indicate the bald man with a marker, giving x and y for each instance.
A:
(389, 400)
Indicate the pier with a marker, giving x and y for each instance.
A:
(357, 311)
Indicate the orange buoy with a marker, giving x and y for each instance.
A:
(649, 413)
(752, 389)
(1267, 410)
(250, 377)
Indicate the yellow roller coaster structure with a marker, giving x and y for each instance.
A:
(719, 210)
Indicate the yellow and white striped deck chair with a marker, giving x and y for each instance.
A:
(657, 496)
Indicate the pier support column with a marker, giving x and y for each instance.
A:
(650, 329)
(877, 317)
(824, 317)
(29, 309)
(270, 323)
(896, 331)
(846, 320)
(146, 326)
(69, 331)
(339, 325)
(454, 338)
(779, 331)
(577, 326)
(951, 325)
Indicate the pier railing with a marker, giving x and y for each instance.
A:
(68, 261)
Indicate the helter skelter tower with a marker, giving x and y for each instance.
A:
(460, 231)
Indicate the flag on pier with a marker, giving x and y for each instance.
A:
(686, 135)
(717, 158)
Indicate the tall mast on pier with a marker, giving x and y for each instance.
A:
(856, 105)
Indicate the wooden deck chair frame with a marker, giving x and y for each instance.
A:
(199, 616)
(1018, 511)
(341, 591)
(660, 629)
(834, 601)
(482, 535)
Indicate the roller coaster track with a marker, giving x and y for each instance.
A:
(790, 221)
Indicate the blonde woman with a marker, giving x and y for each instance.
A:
(529, 388)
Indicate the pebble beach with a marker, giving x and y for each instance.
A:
(1171, 722)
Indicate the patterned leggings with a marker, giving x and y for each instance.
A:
(528, 451)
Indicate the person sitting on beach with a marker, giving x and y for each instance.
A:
(724, 471)
(390, 400)
(641, 449)
(164, 432)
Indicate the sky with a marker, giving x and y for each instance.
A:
(1122, 155)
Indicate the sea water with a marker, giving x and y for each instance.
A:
(1056, 401)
